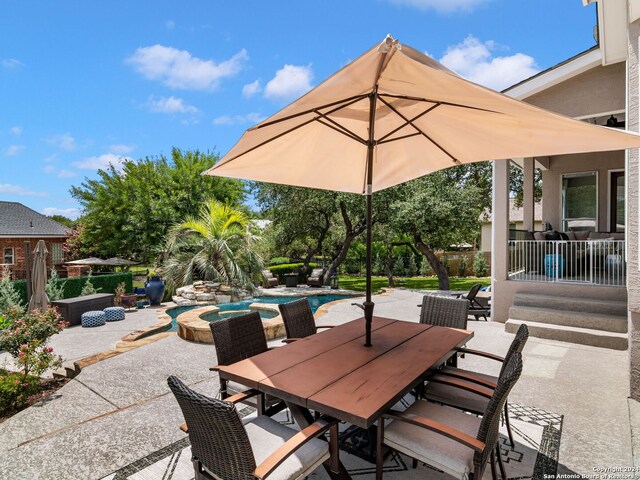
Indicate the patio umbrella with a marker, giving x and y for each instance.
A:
(39, 298)
(395, 114)
(88, 261)
(119, 262)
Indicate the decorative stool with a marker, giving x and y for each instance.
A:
(94, 318)
(114, 314)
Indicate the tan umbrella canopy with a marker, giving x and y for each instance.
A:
(88, 261)
(119, 262)
(39, 298)
(395, 114)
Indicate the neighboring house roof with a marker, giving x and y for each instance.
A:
(515, 214)
(17, 220)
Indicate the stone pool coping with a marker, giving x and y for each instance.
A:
(193, 328)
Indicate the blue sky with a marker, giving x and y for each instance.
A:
(83, 83)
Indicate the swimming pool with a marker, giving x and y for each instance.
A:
(315, 301)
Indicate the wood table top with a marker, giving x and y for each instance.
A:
(334, 373)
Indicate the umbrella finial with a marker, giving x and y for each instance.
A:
(387, 43)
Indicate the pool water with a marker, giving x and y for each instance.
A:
(315, 301)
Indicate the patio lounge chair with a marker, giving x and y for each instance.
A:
(269, 279)
(316, 278)
(298, 320)
(450, 440)
(222, 447)
(235, 339)
(450, 386)
(478, 306)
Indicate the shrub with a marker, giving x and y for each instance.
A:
(14, 389)
(54, 288)
(290, 268)
(398, 267)
(9, 296)
(462, 266)
(88, 288)
(25, 339)
(480, 265)
(279, 260)
(412, 268)
(427, 270)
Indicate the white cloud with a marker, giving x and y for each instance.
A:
(122, 148)
(252, 118)
(71, 213)
(11, 64)
(13, 150)
(17, 131)
(290, 82)
(443, 6)
(170, 24)
(66, 174)
(63, 141)
(474, 60)
(250, 89)
(18, 190)
(49, 169)
(179, 69)
(170, 105)
(102, 162)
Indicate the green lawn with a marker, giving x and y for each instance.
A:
(419, 283)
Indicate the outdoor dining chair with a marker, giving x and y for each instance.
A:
(225, 448)
(298, 320)
(457, 387)
(445, 312)
(450, 440)
(476, 307)
(235, 339)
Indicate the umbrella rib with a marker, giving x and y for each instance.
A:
(343, 103)
(455, 160)
(408, 122)
(448, 104)
(399, 138)
(340, 129)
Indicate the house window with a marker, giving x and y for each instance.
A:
(8, 257)
(580, 201)
(56, 253)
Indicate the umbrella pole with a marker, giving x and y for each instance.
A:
(368, 304)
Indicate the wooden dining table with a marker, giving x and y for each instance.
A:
(333, 373)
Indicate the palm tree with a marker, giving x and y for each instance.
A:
(217, 245)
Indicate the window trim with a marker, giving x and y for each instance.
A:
(563, 219)
(13, 255)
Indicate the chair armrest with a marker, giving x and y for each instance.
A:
(274, 460)
(325, 326)
(242, 396)
(468, 376)
(214, 369)
(184, 428)
(481, 354)
(441, 428)
(461, 384)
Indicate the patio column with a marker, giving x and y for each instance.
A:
(528, 203)
(499, 235)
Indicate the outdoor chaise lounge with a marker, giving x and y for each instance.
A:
(316, 277)
(269, 279)
(450, 386)
(223, 447)
(478, 306)
(450, 440)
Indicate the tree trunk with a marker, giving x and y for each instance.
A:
(322, 234)
(436, 264)
(387, 266)
(342, 250)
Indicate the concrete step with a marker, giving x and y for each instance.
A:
(592, 305)
(582, 336)
(68, 370)
(579, 319)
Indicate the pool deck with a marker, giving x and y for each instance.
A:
(119, 410)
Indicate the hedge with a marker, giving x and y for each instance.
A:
(283, 269)
(73, 286)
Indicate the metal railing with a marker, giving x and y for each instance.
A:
(593, 262)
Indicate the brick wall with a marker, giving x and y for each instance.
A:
(18, 267)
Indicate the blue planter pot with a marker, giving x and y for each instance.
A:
(154, 288)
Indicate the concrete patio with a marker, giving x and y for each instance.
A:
(120, 410)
